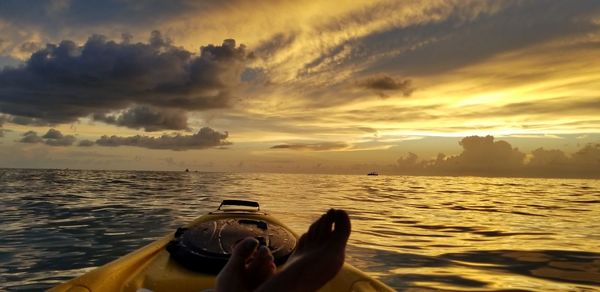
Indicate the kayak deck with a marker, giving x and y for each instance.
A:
(152, 267)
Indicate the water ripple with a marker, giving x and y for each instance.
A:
(445, 233)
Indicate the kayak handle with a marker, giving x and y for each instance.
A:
(239, 203)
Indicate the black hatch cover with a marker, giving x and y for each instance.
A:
(206, 247)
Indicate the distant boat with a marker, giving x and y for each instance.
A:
(187, 170)
(373, 173)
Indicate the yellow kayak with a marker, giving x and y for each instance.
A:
(190, 258)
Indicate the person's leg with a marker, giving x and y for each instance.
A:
(319, 256)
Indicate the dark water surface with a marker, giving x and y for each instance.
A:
(447, 233)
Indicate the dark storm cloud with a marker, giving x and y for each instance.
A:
(25, 121)
(52, 137)
(64, 82)
(149, 118)
(325, 146)
(90, 13)
(7, 61)
(384, 84)
(205, 138)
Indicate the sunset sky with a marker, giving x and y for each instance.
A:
(301, 86)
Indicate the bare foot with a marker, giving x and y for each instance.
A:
(247, 268)
(260, 268)
(318, 257)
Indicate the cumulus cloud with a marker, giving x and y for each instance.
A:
(541, 157)
(53, 134)
(483, 153)
(52, 137)
(31, 137)
(482, 156)
(583, 163)
(67, 140)
(385, 84)
(205, 138)
(324, 146)
(149, 118)
(86, 143)
(588, 157)
(409, 161)
(64, 82)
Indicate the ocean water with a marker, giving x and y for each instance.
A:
(413, 233)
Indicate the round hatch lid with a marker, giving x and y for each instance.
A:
(206, 247)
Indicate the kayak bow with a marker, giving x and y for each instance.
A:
(190, 258)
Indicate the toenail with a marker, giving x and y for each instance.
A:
(250, 243)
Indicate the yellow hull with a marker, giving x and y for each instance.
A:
(152, 268)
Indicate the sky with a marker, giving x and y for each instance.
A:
(401, 87)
